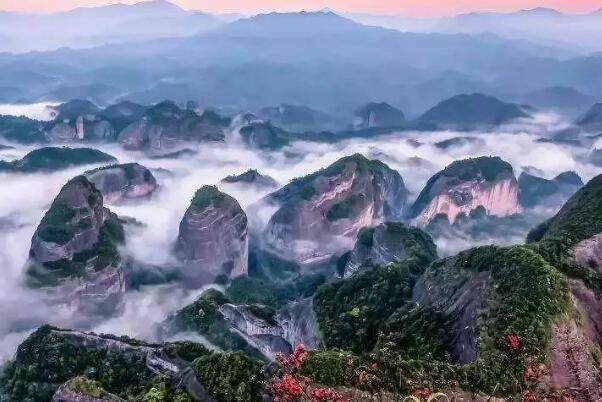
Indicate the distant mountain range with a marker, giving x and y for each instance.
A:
(321, 60)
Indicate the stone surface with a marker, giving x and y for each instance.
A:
(212, 240)
(321, 214)
(121, 182)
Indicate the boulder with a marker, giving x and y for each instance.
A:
(386, 243)
(122, 182)
(466, 185)
(212, 241)
(321, 214)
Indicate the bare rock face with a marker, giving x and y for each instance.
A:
(465, 185)
(165, 128)
(275, 332)
(379, 115)
(212, 241)
(74, 252)
(122, 182)
(81, 389)
(321, 214)
(386, 243)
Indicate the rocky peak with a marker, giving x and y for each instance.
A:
(386, 243)
(121, 182)
(534, 190)
(321, 214)
(472, 112)
(465, 185)
(251, 176)
(261, 134)
(166, 127)
(379, 115)
(74, 252)
(82, 389)
(212, 240)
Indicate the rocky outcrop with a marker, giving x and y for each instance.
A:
(122, 182)
(275, 332)
(460, 295)
(74, 254)
(536, 191)
(251, 177)
(472, 112)
(81, 389)
(264, 135)
(79, 120)
(49, 159)
(212, 240)
(588, 253)
(165, 128)
(465, 185)
(378, 115)
(386, 243)
(321, 214)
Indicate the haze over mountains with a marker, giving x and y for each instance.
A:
(317, 59)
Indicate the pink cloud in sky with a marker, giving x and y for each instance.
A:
(399, 7)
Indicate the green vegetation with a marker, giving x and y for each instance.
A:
(203, 317)
(208, 195)
(56, 226)
(86, 386)
(524, 299)
(55, 158)
(230, 377)
(21, 129)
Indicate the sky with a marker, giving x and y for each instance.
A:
(392, 7)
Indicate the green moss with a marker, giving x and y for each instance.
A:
(230, 377)
(208, 195)
(86, 387)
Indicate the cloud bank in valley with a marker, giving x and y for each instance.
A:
(26, 197)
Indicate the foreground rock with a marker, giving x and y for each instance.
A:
(255, 329)
(52, 362)
(464, 186)
(81, 389)
(537, 191)
(74, 255)
(50, 159)
(386, 243)
(321, 214)
(212, 241)
(122, 182)
(252, 177)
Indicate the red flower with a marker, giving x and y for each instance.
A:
(529, 396)
(295, 360)
(286, 388)
(326, 395)
(513, 342)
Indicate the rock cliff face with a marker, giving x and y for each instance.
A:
(379, 115)
(264, 135)
(537, 191)
(321, 214)
(252, 177)
(386, 243)
(275, 332)
(212, 241)
(121, 182)
(465, 185)
(165, 128)
(295, 117)
(74, 250)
